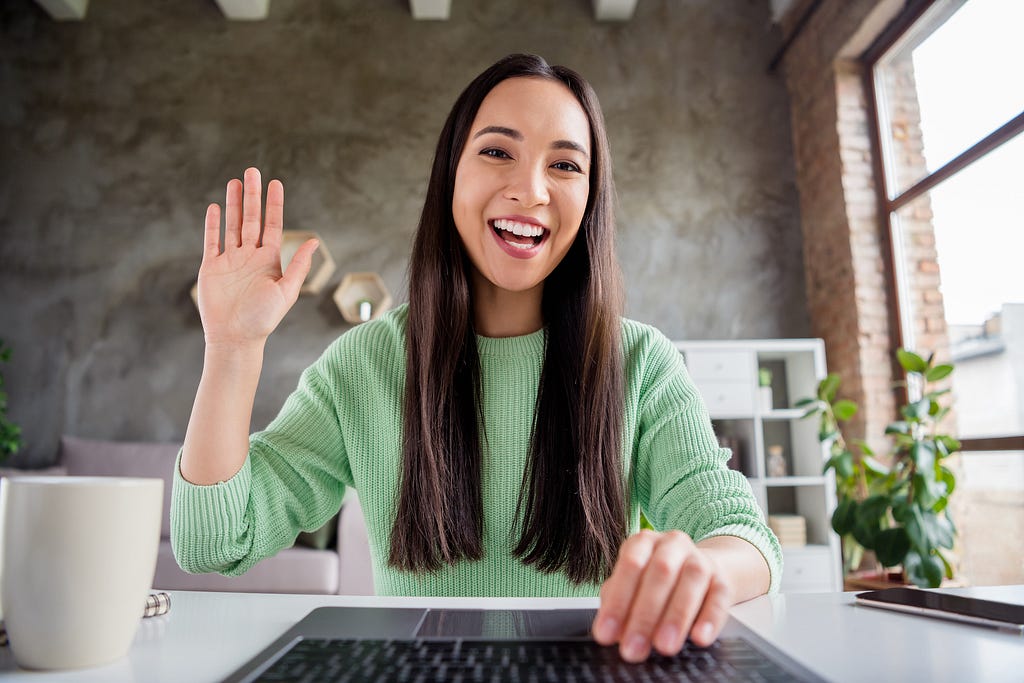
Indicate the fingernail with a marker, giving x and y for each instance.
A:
(668, 636)
(607, 630)
(703, 631)
(635, 648)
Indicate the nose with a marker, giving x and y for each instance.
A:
(527, 185)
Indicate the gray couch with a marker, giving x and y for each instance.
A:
(343, 569)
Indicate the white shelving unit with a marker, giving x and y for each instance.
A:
(726, 373)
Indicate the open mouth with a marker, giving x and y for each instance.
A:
(519, 235)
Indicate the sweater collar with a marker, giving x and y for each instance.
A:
(527, 345)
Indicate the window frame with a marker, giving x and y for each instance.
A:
(887, 207)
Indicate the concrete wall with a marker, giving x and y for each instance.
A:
(117, 131)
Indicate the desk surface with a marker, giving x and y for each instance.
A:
(206, 636)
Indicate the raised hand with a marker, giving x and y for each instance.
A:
(243, 294)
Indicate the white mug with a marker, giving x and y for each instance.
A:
(78, 559)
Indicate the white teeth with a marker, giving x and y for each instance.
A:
(516, 228)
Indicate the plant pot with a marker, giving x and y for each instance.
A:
(873, 579)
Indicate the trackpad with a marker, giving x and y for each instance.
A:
(506, 624)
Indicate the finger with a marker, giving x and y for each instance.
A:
(274, 223)
(211, 234)
(713, 615)
(618, 591)
(664, 571)
(680, 609)
(298, 269)
(233, 214)
(251, 207)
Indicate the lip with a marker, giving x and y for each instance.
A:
(516, 252)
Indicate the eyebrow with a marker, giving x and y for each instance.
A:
(517, 136)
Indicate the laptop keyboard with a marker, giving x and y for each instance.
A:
(413, 661)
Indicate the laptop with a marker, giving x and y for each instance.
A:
(421, 644)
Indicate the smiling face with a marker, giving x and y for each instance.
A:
(522, 183)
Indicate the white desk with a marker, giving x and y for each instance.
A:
(206, 636)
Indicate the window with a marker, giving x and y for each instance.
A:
(949, 104)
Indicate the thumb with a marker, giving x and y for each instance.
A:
(298, 269)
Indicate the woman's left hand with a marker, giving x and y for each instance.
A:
(663, 588)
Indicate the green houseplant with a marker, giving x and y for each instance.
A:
(897, 509)
(10, 433)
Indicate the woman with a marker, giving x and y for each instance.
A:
(506, 427)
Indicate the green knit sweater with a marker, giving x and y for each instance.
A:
(343, 427)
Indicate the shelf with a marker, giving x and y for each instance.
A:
(357, 288)
(794, 481)
(784, 414)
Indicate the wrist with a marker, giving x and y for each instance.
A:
(245, 359)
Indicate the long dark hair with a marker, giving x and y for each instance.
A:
(571, 512)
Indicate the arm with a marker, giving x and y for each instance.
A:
(243, 295)
(716, 551)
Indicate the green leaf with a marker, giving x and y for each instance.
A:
(932, 571)
(910, 361)
(891, 546)
(874, 466)
(923, 455)
(828, 436)
(863, 446)
(828, 387)
(844, 464)
(917, 409)
(925, 492)
(938, 372)
(865, 534)
(844, 409)
(899, 427)
(872, 508)
(844, 516)
(923, 570)
(951, 444)
(946, 565)
(947, 476)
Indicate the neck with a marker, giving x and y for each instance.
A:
(501, 313)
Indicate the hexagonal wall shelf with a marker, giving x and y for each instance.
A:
(361, 297)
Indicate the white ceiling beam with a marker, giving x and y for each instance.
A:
(65, 10)
(614, 10)
(436, 10)
(244, 10)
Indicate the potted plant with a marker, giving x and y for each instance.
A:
(10, 433)
(898, 509)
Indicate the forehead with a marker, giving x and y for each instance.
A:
(538, 108)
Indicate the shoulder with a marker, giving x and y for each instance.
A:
(651, 360)
(646, 344)
(370, 344)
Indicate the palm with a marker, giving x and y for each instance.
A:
(243, 294)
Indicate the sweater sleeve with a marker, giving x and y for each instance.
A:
(293, 480)
(681, 477)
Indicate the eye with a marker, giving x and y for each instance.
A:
(495, 153)
(566, 166)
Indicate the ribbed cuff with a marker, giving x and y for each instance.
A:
(204, 519)
(765, 543)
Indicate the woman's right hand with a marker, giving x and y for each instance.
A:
(243, 294)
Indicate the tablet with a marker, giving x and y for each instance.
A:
(942, 605)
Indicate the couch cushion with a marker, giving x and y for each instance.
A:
(97, 458)
(293, 570)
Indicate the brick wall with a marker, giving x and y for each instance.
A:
(848, 269)
(844, 255)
